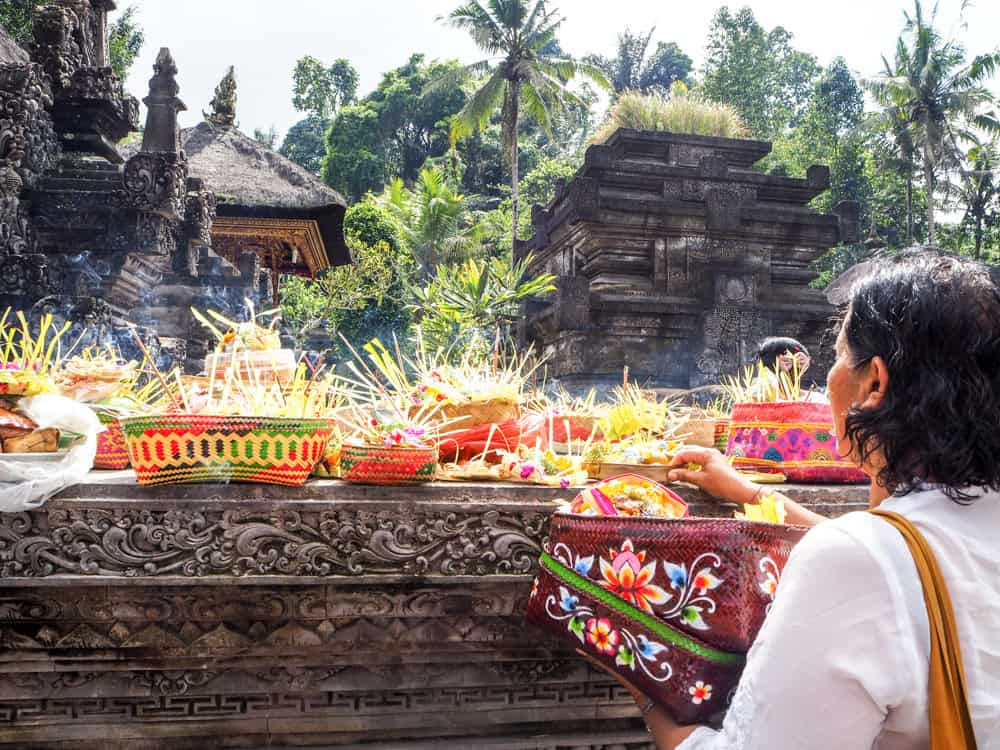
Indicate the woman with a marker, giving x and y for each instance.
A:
(842, 660)
(782, 365)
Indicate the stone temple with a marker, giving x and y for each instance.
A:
(110, 242)
(675, 258)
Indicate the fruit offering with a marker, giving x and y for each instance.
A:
(771, 509)
(629, 495)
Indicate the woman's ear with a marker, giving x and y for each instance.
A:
(874, 384)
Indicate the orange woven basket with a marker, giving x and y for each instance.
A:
(179, 448)
(379, 464)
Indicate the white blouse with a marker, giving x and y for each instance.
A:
(842, 660)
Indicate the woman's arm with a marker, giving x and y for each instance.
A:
(720, 480)
(829, 661)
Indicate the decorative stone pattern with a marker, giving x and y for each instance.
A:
(191, 616)
(679, 258)
(247, 543)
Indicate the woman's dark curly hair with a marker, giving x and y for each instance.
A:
(935, 321)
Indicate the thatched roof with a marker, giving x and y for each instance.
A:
(11, 51)
(251, 180)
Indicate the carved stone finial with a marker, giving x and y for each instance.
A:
(223, 113)
(162, 136)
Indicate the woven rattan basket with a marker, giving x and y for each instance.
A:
(672, 605)
(179, 448)
(112, 450)
(379, 464)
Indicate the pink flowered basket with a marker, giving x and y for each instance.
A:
(672, 605)
(796, 438)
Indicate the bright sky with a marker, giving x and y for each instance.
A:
(264, 38)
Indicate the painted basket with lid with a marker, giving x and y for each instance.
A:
(796, 438)
(672, 605)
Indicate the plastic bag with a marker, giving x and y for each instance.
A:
(26, 484)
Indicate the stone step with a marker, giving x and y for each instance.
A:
(91, 165)
(81, 183)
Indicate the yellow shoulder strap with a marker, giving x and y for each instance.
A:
(950, 724)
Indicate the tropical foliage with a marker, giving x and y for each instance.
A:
(435, 220)
(467, 307)
(524, 69)
(938, 96)
(632, 69)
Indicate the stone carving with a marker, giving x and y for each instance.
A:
(199, 213)
(162, 134)
(248, 543)
(173, 682)
(223, 114)
(62, 41)
(27, 140)
(683, 246)
(155, 183)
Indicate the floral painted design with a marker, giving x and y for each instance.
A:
(820, 454)
(700, 692)
(636, 652)
(579, 565)
(693, 600)
(627, 576)
(769, 583)
(629, 573)
(601, 635)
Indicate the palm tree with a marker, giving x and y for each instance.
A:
(979, 190)
(435, 220)
(631, 69)
(939, 96)
(524, 70)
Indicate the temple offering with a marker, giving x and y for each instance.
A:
(795, 438)
(628, 495)
(249, 349)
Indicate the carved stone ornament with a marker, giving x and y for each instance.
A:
(246, 543)
(28, 143)
(156, 183)
(199, 214)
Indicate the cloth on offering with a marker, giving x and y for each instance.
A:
(25, 484)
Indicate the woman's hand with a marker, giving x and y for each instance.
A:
(720, 480)
(717, 477)
(667, 733)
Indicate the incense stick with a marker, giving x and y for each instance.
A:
(156, 370)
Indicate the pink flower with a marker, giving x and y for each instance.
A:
(627, 577)
(527, 470)
(601, 635)
(564, 483)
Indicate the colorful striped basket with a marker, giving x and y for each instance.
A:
(379, 464)
(796, 438)
(672, 605)
(721, 434)
(181, 448)
(112, 450)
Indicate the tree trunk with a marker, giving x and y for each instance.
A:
(979, 235)
(515, 102)
(909, 207)
(929, 180)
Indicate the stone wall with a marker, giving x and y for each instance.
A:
(214, 616)
(675, 258)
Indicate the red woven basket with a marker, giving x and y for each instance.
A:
(398, 464)
(112, 451)
(796, 438)
(672, 605)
